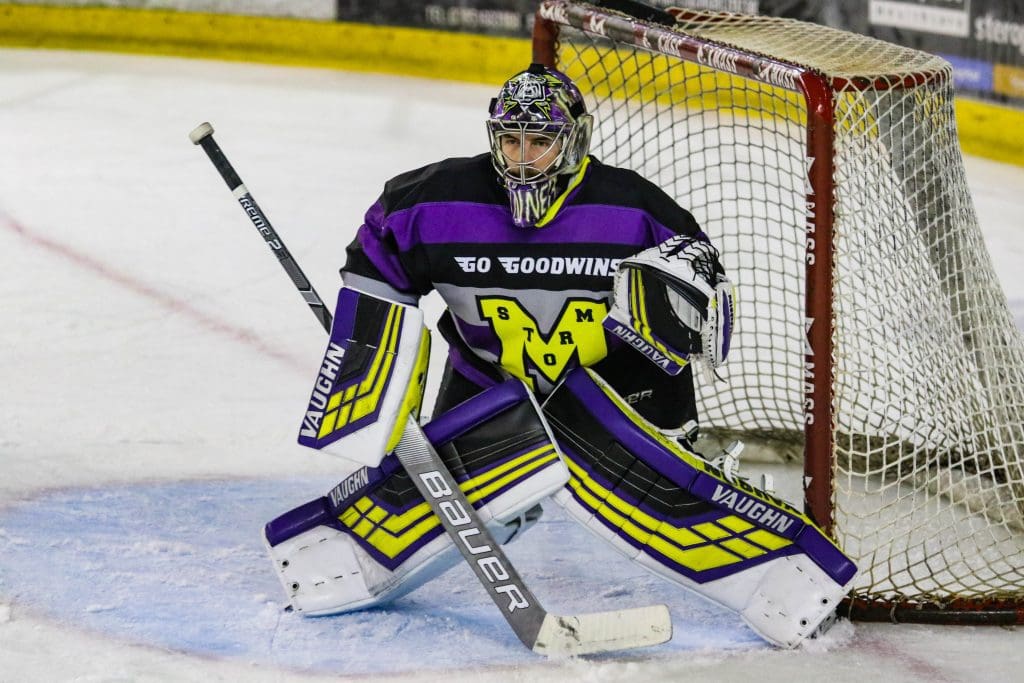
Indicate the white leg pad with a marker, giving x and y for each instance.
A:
(323, 571)
(509, 505)
(783, 600)
(792, 598)
(369, 542)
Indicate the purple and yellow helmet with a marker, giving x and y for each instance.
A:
(537, 104)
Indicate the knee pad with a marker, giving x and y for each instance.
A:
(373, 538)
(682, 518)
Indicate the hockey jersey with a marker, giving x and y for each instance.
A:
(527, 302)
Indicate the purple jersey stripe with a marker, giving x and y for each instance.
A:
(446, 223)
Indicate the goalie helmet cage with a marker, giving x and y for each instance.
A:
(873, 339)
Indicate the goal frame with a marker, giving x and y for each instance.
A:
(654, 33)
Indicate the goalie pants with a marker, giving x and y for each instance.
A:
(664, 400)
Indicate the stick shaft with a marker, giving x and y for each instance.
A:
(499, 577)
(262, 223)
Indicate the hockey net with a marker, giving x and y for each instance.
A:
(873, 340)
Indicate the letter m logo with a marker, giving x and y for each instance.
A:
(528, 352)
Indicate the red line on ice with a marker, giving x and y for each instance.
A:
(175, 305)
(916, 665)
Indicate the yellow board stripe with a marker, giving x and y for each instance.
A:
(985, 129)
(245, 38)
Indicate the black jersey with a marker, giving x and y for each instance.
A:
(527, 301)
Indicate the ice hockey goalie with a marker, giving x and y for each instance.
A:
(566, 282)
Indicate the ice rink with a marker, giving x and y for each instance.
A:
(156, 365)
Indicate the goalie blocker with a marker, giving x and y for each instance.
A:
(372, 376)
(682, 518)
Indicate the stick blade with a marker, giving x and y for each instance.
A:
(584, 634)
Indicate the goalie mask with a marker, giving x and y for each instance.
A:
(539, 131)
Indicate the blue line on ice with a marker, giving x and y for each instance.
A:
(181, 566)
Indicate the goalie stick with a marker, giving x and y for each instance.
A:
(540, 631)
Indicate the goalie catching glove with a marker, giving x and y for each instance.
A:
(673, 303)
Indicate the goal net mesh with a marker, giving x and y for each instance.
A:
(927, 366)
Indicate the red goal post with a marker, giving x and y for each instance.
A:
(873, 340)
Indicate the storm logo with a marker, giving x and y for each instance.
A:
(528, 91)
(535, 93)
(527, 353)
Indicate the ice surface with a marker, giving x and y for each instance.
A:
(156, 363)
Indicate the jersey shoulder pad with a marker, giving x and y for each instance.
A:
(622, 187)
(450, 180)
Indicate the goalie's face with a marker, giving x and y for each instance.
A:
(529, 156)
